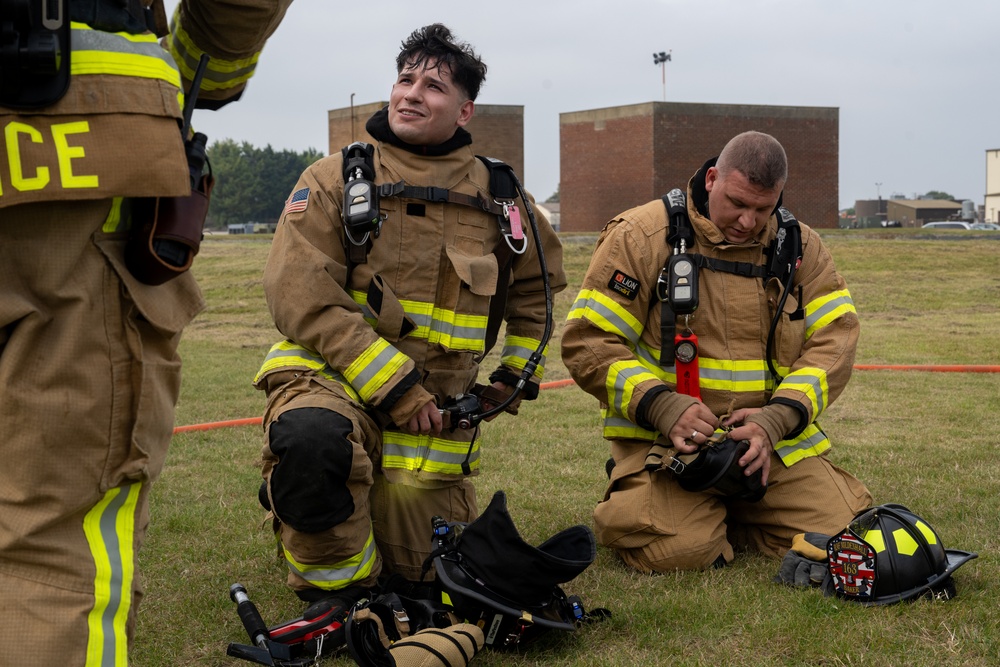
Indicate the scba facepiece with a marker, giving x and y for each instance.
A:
(492, 578)
(717, 466)
(889, 554)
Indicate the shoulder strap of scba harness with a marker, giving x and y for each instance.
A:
(503, 192)
(782, 257)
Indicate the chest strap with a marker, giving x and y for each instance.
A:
(439, 196)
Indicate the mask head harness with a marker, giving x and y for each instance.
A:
(491, 577)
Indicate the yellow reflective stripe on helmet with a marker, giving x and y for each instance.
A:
(427, 453)
(374, 367)
(121, 54)
(518, 349)
(820, 312)
(811, 442)
(813, 383)
(606, 314)
(220, 74)
(338, 575)
(109, 527)
(288, 355)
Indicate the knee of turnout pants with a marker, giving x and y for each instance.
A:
(318, 476)
(813, 495)
(654, 524)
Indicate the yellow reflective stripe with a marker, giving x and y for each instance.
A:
(617, 426)
(813, 383)
(606, 314)
(731, 375)
(374, 367)
(338, 575)
(428, 453)
(287, 355)
(220, 74)
(122, 54)
(114, 219)
(109, 527)
(518, 349)
(622, 379)
(811, 442)
(820, 312)
(438, 326)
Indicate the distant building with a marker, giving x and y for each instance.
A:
(551, 212)
(615, 158)
(915, 212)
(991, 208)
(497, 131)
(870, 212)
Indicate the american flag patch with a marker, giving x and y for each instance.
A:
(297, 201)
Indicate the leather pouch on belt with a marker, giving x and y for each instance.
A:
(166, 234)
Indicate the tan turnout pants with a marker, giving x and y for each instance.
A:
(395, 507)
(89, 376)
(656, 526)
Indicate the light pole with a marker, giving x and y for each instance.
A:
(352, 118)
(661, 59)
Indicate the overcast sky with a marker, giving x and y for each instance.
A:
(916, 81)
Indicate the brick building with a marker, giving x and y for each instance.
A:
(615, 158)
(497, 130)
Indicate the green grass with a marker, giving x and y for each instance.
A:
(926, 440)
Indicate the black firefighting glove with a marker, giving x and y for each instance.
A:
(805, 564)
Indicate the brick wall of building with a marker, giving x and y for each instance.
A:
(497, 130)
(613, 159)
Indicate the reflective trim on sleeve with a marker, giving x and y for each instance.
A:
(220, 74)
(811, 382)
(606, 314)
(820, 312)
(811, 442)
(427, 453)
(616, 426)
(336, 576)
(518, 349)
(374, 367)
(287, 355)
(109, 527)
(623, 378)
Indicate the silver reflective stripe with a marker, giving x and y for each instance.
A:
(621, 327)
(334, 574)
(110, 528)
(83, 39)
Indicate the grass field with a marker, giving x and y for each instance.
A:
(926, 440)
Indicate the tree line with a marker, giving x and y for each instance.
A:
(252, 183)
